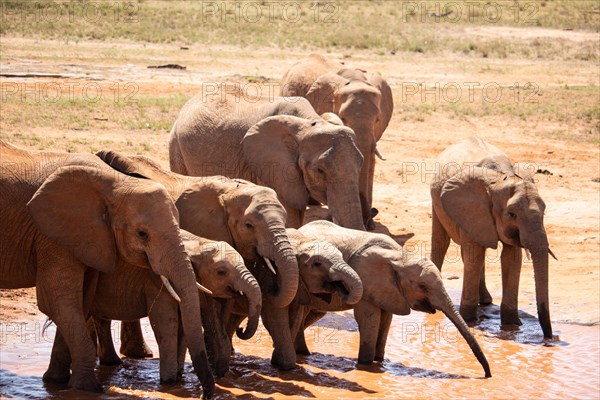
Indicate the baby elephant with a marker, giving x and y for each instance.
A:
(133, 293)
(479, 198)
(393, 283)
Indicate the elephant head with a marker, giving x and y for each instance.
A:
(252, 219)
(301, 157)
(221, 270)
(102, 217)
(365, 104)
(245, 215)
(507, 207)
(323, 271)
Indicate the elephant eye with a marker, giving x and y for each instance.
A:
(142, 234)
(248, 225)
(317, 264)
(511, 215)
(320, 170)
(423, 287)
(221, 272)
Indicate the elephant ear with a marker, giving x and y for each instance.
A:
(271, 151)
(321, 94)
(466, 200)
(202, 211)
(376, 267)
(71, 209)
(386, 106)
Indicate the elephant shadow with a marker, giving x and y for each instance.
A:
(252, 373)
(528, 333)
(346, 364)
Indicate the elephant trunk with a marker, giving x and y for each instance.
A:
(353, 285)
(279, 249)
(539, 256)
(249, 286)
(177, 268)
(344, 204)
(452, 314)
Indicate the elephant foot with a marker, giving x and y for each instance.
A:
(168, 381)
(86, 382)
(136, 349)
(303, 352)
(485, 298)
(468, 313)
(366, 356)
(282, 362)
(378, 358)
(56, 378)
(111, 360)
(509, 316)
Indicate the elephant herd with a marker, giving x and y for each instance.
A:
(221, 236)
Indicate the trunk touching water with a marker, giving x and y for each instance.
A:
(450, 311)
(177, 268)
(344, 204)
(279, 249)
(350, 279)
(539, 256)
(249, 286)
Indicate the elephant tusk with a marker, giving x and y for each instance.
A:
(528, 254)
(204, 289)
(378, 154)
(552, 254)
(170, 289)
(240, 292)
(270, 266)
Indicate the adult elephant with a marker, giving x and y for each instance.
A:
(478, 199)
(323, 274)
(282, 144)
(133, 293)
(68, 217)
(393, 283)
(247, 216)
(363, 102)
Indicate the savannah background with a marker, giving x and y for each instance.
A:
(524, 75)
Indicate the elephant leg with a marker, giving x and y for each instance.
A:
(510, 259)
(218, 343)
(106, 348)
(164, 319)
(485, 298)
(276, 321)
(132, 340)
(439, 240)
(368, 317)
(59, 369)
(473, 257)
(68, 312)
(310, 318)
(382, 334)
(296, 317)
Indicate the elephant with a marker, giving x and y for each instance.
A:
(323, 273)
(133, 293)
(247, 216)
(478, 199)
(283, 144)
(394, 282)
(363, 102)
(66, 218)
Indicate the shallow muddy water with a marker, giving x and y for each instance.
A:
(425, 358)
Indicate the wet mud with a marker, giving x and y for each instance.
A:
(425, 358)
